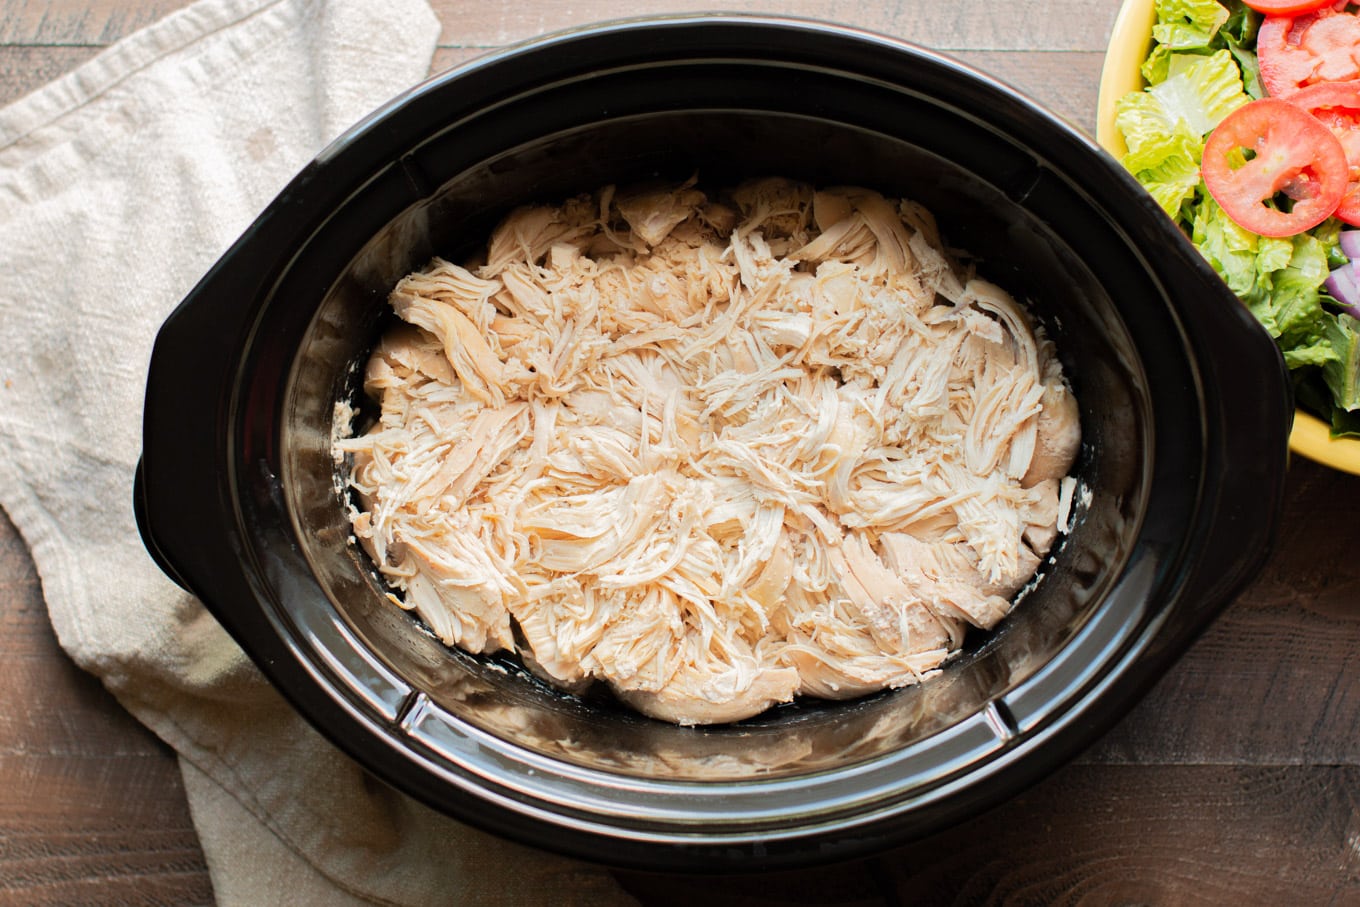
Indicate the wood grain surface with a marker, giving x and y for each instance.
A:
(1235, 781)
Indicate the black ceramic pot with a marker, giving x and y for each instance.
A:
(1185, 411)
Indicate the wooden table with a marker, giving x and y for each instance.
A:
(1237, 781)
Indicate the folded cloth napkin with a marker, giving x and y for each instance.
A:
(120, 184)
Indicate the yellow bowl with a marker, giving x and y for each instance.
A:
(1130, 43)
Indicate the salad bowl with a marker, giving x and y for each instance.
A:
(1130, 43)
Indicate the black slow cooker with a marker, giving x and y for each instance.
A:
(1185, 410)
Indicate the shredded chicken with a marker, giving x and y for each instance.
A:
(715, 452)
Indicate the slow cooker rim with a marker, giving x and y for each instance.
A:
(338, 149)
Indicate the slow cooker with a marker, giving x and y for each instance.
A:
(1185, 411)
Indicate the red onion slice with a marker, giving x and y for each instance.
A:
(1344, 287)
(1349, 241)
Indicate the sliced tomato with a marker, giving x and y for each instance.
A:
(1297, 51)
(1286, 7)
(1268, 149)
(1337, 106)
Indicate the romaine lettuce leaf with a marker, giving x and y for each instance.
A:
(1155, 66)
(1246, 262)
(1164, 126)
(1145, 125)
(1279, 279)
(1200, 91)
(1187, 24)
(1342, 373)
(1289, 304)
(1173, 181)
(1166, 164)
(1238, 35)
(1241, 26)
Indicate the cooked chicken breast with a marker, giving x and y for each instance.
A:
(715, 453)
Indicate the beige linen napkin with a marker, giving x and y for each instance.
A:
(120, 185)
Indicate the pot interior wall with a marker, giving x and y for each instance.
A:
(1014, 221)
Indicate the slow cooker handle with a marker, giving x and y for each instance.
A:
(1249, 408)
(144, 527)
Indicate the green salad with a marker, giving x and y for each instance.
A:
(1203, 67)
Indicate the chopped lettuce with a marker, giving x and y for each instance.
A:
(1197, 93)
(1185, 24)
(1294, 306)
(1342, 373)
(1203, 67)
(1240, 27)
(1164, 127)
(1200, 91)
(1163, 154)
(1278, 279)
(1244, 260)
(1238, 34)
